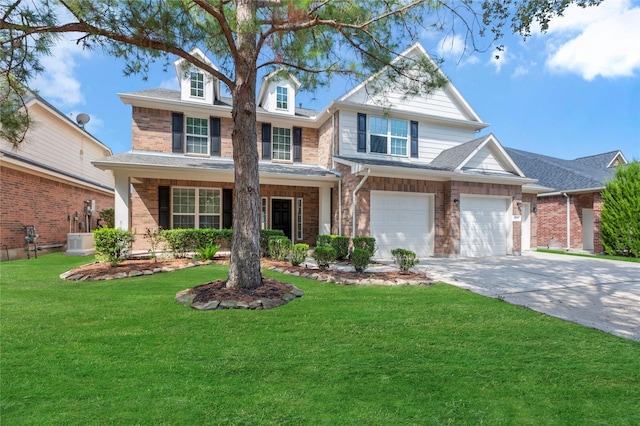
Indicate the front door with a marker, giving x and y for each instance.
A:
(281, 213)
(587, 229)
(526, 226)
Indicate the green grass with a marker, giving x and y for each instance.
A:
(124, 352)
(597, 256)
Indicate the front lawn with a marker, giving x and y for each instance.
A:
(124, 352)
(598, 256)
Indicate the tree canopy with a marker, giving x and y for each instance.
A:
(313, 39)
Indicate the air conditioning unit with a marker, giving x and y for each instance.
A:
(80, 244)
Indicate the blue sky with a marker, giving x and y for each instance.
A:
(571, 92)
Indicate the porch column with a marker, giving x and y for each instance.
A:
(122, 202)
(324, 214)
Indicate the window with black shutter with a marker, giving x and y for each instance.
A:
(266, 141)
(414, 139)
(215, 136)
(177, 129)
(362, 132)
(297, 144)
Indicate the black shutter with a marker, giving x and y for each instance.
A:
(227, 208)
(414, 139)
(177, 129)
(266, 141)
(362, 133)
(215, 136)
(164, 207)
(297, 144)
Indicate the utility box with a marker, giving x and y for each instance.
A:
(80, 244)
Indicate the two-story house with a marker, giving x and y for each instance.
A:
(408, 170)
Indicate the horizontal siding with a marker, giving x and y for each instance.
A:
(438, 104)
(433, 139)
(52, 142)
(484, 160)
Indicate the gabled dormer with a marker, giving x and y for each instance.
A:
(197, 85)
(278, 92)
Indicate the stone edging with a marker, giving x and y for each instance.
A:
(327, 276)
(185, 298)
(135, 273)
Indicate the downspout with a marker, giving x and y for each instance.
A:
(340, 207)
(354, 204)
(333, 167)
(568, 219)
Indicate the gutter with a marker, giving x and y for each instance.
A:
(354, 203)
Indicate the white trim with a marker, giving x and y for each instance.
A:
(264, 210)
(293, 217)
(622, 157)
(299, 219)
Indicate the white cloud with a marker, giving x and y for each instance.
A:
(170, 83)
(58, 83)
(520, 70)
(596, 41)
(454, 48)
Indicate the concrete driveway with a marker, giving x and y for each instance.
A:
(597, 293)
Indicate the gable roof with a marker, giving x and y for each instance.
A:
(585, 173)
(418, 50)
(459, 157)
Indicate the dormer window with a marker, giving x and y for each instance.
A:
(282, 101)
(197, 84)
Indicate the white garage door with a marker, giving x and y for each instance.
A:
(401, 220)
(484, 226)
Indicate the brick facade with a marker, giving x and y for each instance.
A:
(144, 205)
(552, 231)
(44, 203)
(446, 212)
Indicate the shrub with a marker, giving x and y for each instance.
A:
(265, 234)
(341, 245)
(208, 252)
(365, 243)
(298, 253)
(620, 217)
(179, 241)
(323, 240)
(112, 245)
(108, 216)
(225, 236)
(155, 238)
(279, 247)
(405, 259)
(324, 255)
(360, 259)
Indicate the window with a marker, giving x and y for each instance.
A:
(197, 135)
(299, 234)
(281, 144)
(263, 213)
(388, 136)
(196, 208)
(197, 84)
(281, 97)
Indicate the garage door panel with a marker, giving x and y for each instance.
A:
(483, 226)
(401, 220)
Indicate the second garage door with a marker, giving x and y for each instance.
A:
(484, 226)
(401, 220)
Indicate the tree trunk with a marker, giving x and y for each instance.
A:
(244, 267)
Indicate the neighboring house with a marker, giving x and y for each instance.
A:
(569, 209)
(407, 170)
(47, 179)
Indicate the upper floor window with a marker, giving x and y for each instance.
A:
(388, 136)
(282, 101)
(197, 84)
(197, 135)
(281, 144)
(196, 207)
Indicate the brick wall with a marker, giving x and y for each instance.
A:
(28, 199)
(151, 129)
(325, 133)
(144, 204)
(552, 224)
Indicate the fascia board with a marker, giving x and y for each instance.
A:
(571, 191)
(622, 157)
